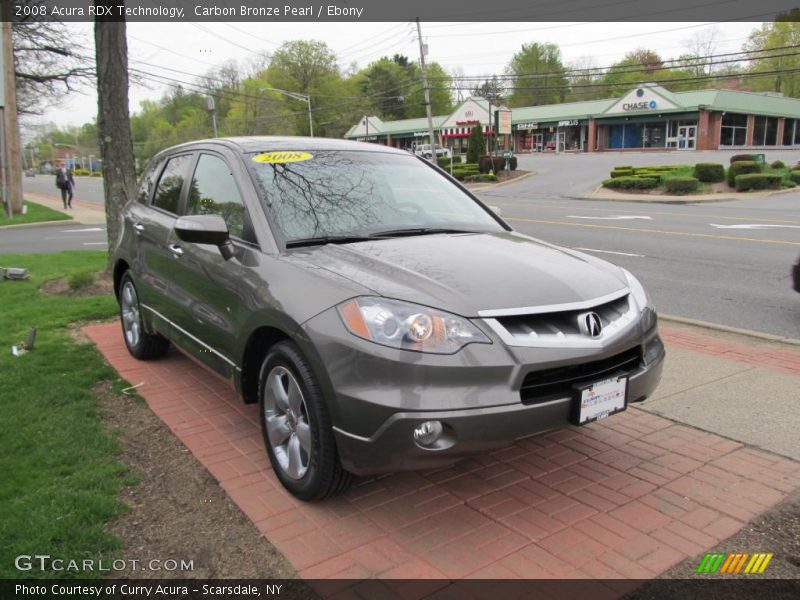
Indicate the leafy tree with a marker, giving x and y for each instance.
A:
(644, 65)
(772, 35)
(540, 75)
(476, 144)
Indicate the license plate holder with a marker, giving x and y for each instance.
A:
(597, 400)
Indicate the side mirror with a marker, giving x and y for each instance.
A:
(205, 229)
(496, 210)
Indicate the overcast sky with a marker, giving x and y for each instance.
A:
(475, 48)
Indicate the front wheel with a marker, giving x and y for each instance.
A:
(296, 426)
(140, 344)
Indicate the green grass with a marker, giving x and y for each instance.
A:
(36, 214)
(59, 473)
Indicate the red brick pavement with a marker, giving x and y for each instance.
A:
(627, 498)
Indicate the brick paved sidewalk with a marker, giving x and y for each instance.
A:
(626, 498)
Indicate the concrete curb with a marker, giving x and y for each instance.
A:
(69, 221)
(727, 329)
(597, 194)
(491, 186)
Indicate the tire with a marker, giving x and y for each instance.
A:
(140, 344)
(302, 449)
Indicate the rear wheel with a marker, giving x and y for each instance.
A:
(140, 344)
(296, 426)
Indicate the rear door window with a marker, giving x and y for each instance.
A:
(168, 192)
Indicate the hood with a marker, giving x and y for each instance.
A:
(466, 273)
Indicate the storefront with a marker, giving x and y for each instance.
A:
(648, 117)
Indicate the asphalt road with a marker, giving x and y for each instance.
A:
(89, 189)
(52, 237)
(725, 262)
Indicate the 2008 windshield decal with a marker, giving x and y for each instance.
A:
(282, 157)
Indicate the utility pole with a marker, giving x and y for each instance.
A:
(212, 108)
(422, 51)
(12, 171)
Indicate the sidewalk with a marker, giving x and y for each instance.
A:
(626, 498)
(87, 213)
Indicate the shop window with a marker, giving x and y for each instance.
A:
(788, 132)
(771, 137)
(734, 130)
(765, 131)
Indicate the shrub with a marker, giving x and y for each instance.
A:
(476, 144)
(709, 172)
(621, 172)
(742, 157)
(758, 181)
(623, 167)
(741, 167)
(788, 184)
(491, 163)
(97, 174)
(681, 185)
(794, 176)
(80, 280)
(444, 163)
(778, 164)
(631, 183)
(81, 172)
(480, 177)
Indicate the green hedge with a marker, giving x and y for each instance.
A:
(741, 167)
(681, 185)
(758, 181)
(794, 176)
(743, 158)
(631, 183)
(445, 162)
(709, 172)
(82, 172)
(480, 177)
(496, 163)
(778, 164)
(622, 173)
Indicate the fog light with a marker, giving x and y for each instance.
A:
(428, 433)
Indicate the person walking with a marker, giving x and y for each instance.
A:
(66, 183)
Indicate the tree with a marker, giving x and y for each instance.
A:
(492, 89)
(113, 118)
(540, 76)
(476, 144)
(585, 80)
(701, 46)
(773, 35)
(641, 66)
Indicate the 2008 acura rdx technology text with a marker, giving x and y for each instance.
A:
(382, 316)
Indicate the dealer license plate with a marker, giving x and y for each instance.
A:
(601, 399)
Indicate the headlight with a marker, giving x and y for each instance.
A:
(639, 294)
(408, 326)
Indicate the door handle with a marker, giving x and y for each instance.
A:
(138, 227)
(176, 250)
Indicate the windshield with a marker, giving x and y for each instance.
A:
(345, 193)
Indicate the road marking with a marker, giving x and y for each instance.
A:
(661, 231)
(610, 252)
(616, 218)
(82, 230)
(753, 226)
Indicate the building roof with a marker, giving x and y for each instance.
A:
(761, 103)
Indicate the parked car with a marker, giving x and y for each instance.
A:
(796, 276)
(382, 316)
(424, 150)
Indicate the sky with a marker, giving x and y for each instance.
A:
(186, 50)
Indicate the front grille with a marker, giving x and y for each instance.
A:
(563, 323)
(558, 382)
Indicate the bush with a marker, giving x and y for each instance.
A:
(794, 176)
(788, 184)
(83, 172)
(778, 164)
(480, 177)
(741, 167)
(623, 167)
(681, 185)
(758, 181)
(97, 174)
(80, 280)
(476, 144)
(621, 172)
(631, 183)
(709, 172)
(742, 158)
(444, 163)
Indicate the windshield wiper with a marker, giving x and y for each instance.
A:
(420, 231)
(328, 239)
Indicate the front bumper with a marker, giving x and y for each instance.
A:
(377, 396)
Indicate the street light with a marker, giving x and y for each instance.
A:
(297, 96)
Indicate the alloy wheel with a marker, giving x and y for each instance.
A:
(131, 321)
(287, 422)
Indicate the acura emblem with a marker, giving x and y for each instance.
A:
(589, 323)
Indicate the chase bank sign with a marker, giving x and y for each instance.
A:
(631, 106)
